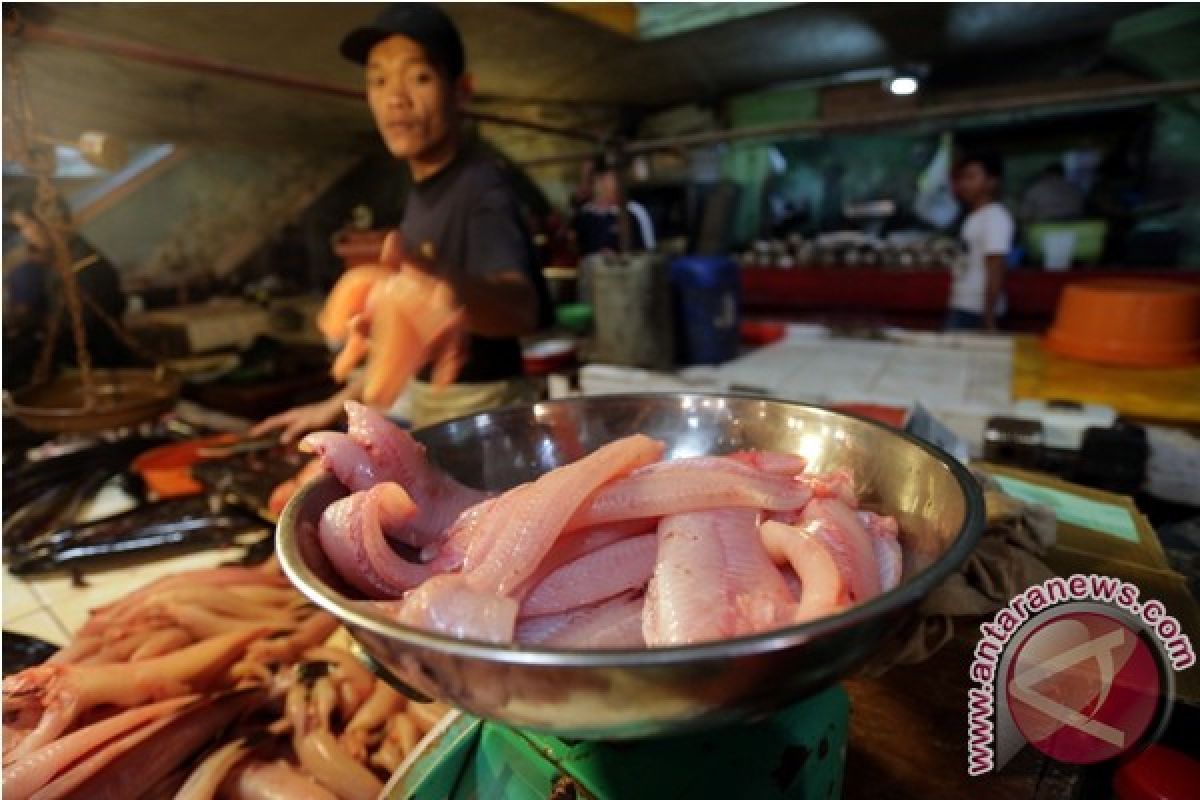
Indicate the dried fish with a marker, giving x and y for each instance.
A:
(184, 522)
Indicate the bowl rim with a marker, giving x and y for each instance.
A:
(894, 600)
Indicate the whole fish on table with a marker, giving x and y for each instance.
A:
(26, 481)
(184, 522)
(53, 509)
(22, 651)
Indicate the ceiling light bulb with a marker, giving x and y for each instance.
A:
(903, 85)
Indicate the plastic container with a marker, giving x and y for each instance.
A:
(1057, 249)
(1089, 238)
(548, 356)
(1129, 323)
(631, 303)
(575, 317)
(706, 299)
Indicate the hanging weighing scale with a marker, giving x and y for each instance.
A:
(86, 399)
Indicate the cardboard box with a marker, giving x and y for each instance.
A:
(1132, 554)
(1118, 536)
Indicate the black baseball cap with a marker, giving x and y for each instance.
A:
(424, 23)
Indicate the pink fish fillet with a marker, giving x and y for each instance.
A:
(838, 484)
(823, 588)
(525, 530)
(449, 554)
(479, 546)
(712, 580)
(849, 543)
(596, 576)
(613, 624)
(447, 604)
(576, 545)
(344, 457)
(771, 461)
(399, 457)
(351, 534)
(885, 539)
(686, 485)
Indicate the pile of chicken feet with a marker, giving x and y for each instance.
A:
(218, 683)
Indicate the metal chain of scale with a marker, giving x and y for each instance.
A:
(39, 160)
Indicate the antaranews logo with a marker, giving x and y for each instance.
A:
(1078, 667)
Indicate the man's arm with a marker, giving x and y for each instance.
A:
(500, 304)
(322, 415)
(995, 284)
(495, 288)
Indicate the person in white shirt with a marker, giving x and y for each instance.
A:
(976, 298)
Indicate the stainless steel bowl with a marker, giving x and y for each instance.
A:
(635, 693)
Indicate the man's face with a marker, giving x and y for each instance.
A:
(414, 104)
(973, 185)
(604, 188)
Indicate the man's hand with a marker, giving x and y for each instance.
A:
(296, 422)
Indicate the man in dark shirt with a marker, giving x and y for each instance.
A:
(461, 223)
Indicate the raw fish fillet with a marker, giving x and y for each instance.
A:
(569, 547)
(351, 534)
(837, 484)
(446, 604)
(479, 546)
(849, 543)
(599, 575)
(712, 580)
(397, 456)
(823, 588)
(449, 554)
(686, 485)
(769, 461)
(344, 457)
(613, 624)
(885, 541)
(525, 529)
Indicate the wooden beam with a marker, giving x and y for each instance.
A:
(116, 188)
(620, 18)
